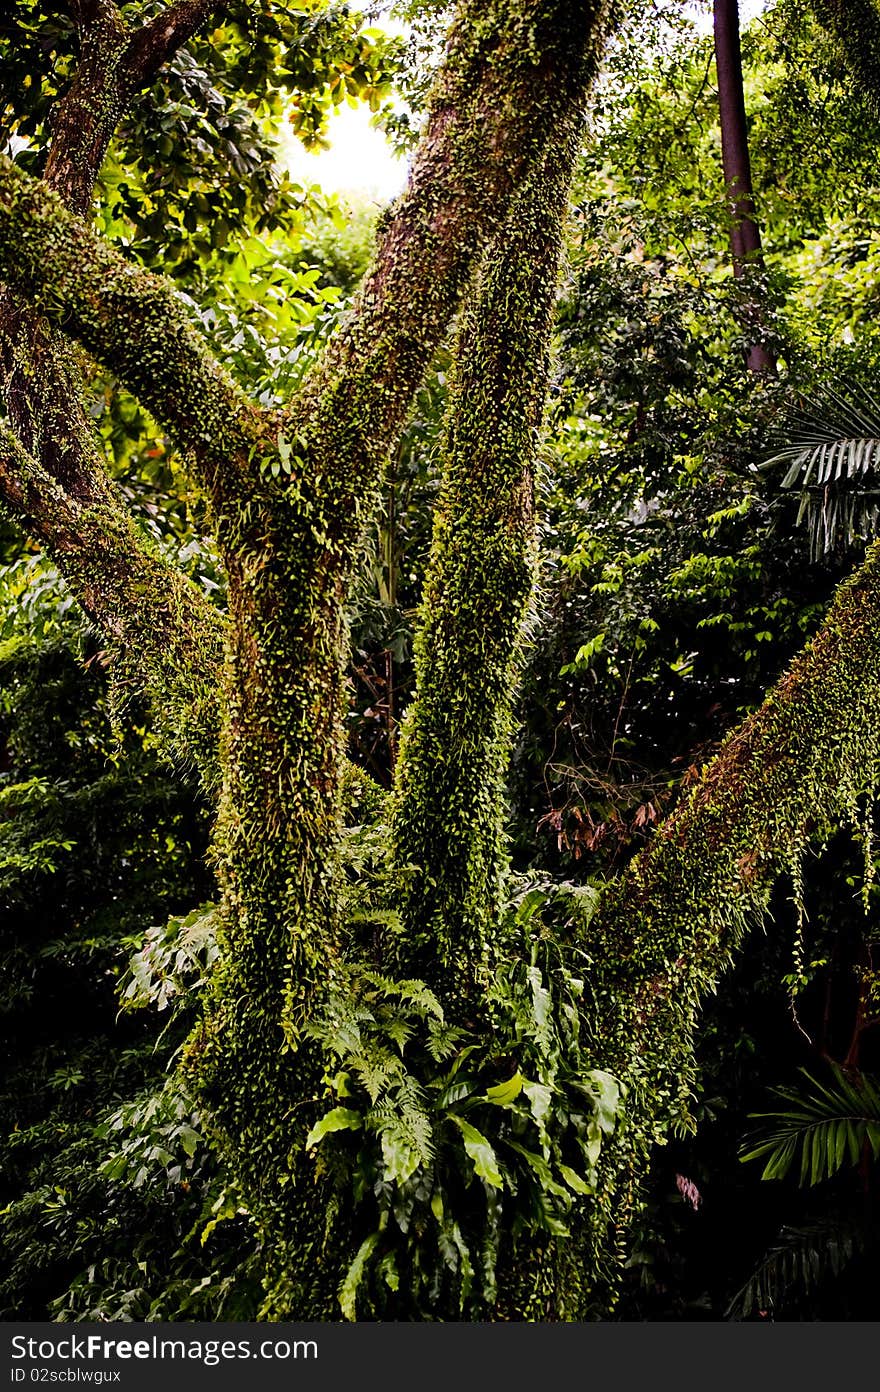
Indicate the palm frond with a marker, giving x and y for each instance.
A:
(820, 1128)
(832, 456)
(798, 1261)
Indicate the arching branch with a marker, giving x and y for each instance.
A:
(797, 766)
(135, 324)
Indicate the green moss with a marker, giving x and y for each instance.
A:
(669, 927)
(289, 547)
(164, 641)
(290, 499)
(136, 324)
(456, 738)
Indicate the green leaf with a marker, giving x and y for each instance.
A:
(355, 1274)
(388, 1271)
(502, 1094)
(540, 999)
(479, 1151)
(533, 900)
(605, 1092)
(340, 1119)
(456, 1091)
(542, 1170)
(574, 1181)
(190, 1140)
(820, 1128)
(540, 1099)
(400, 1159)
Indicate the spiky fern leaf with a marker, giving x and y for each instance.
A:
(821, 1127)
(833, 458)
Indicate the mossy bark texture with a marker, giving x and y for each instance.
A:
(166, 642)
(289, 552)
(450, 794)
(791, 774)
(288, 547)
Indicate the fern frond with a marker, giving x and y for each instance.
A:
(413, 993)
(377, 1071)
(405, 1129)
(443, 1040)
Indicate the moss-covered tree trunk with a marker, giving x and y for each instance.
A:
(290, 496)
(450, 792)
(505, 83)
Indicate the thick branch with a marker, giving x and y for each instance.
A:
(508, 72)
(156, 42)
(41, 385)
(86, 116)
(113, 65)
(135, 324)
(794, 768)
(85, 12)
(455, 750)
(166, 639)
(31, 495)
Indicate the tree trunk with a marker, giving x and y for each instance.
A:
(289, 555)
(745, 236)
(450, 793)
(291, 494)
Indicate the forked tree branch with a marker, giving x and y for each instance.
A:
(507, 72)
(150, 47)
(114, 63)
(52, 473)
(135, 324)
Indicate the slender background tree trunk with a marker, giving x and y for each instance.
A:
(745, 235)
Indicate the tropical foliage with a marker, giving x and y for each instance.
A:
(409, 887)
